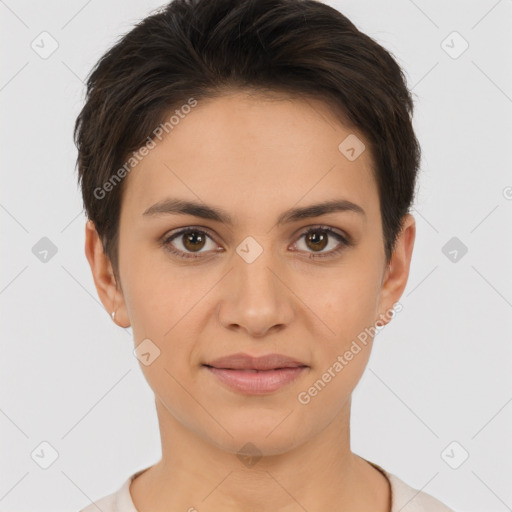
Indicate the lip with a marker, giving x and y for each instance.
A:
(256, 375)
(242, 361)
(256, 382)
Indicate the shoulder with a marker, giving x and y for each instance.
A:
(408, 499)
(119, 501)
(105, 504)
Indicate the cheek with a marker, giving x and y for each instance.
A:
(156, 296)
(331, 387)
(348, 308)
(345, 306)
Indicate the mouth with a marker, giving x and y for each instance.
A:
(256, 375)
(241, 361)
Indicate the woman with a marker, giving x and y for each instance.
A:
(247, 169)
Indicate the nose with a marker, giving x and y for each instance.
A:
(255, 298)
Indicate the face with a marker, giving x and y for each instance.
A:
(251, 274)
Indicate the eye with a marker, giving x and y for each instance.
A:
(192, 242)
(318, 238)
(188, 241)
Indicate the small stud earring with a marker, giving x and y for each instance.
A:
(113, 315)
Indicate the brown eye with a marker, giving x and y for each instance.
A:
(193, 240)
(317, 240)
(189, 241)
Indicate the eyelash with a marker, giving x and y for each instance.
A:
(344, 242)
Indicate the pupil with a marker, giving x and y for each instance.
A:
(192, 239)
(318, 239)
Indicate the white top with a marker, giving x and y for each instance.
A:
(403, 498)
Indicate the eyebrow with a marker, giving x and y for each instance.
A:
(182, 207)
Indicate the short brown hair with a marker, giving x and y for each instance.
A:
(201, 48)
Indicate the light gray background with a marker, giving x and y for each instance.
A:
(440, 371)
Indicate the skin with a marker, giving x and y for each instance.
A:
(254, 157)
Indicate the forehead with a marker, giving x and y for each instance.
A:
(252, 152)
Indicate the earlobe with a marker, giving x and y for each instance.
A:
(109, 291)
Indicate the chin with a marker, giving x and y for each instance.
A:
(266, 437)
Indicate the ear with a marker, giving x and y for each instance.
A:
(397, 272)
(109, 292)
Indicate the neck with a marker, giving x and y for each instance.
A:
(320, 474)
